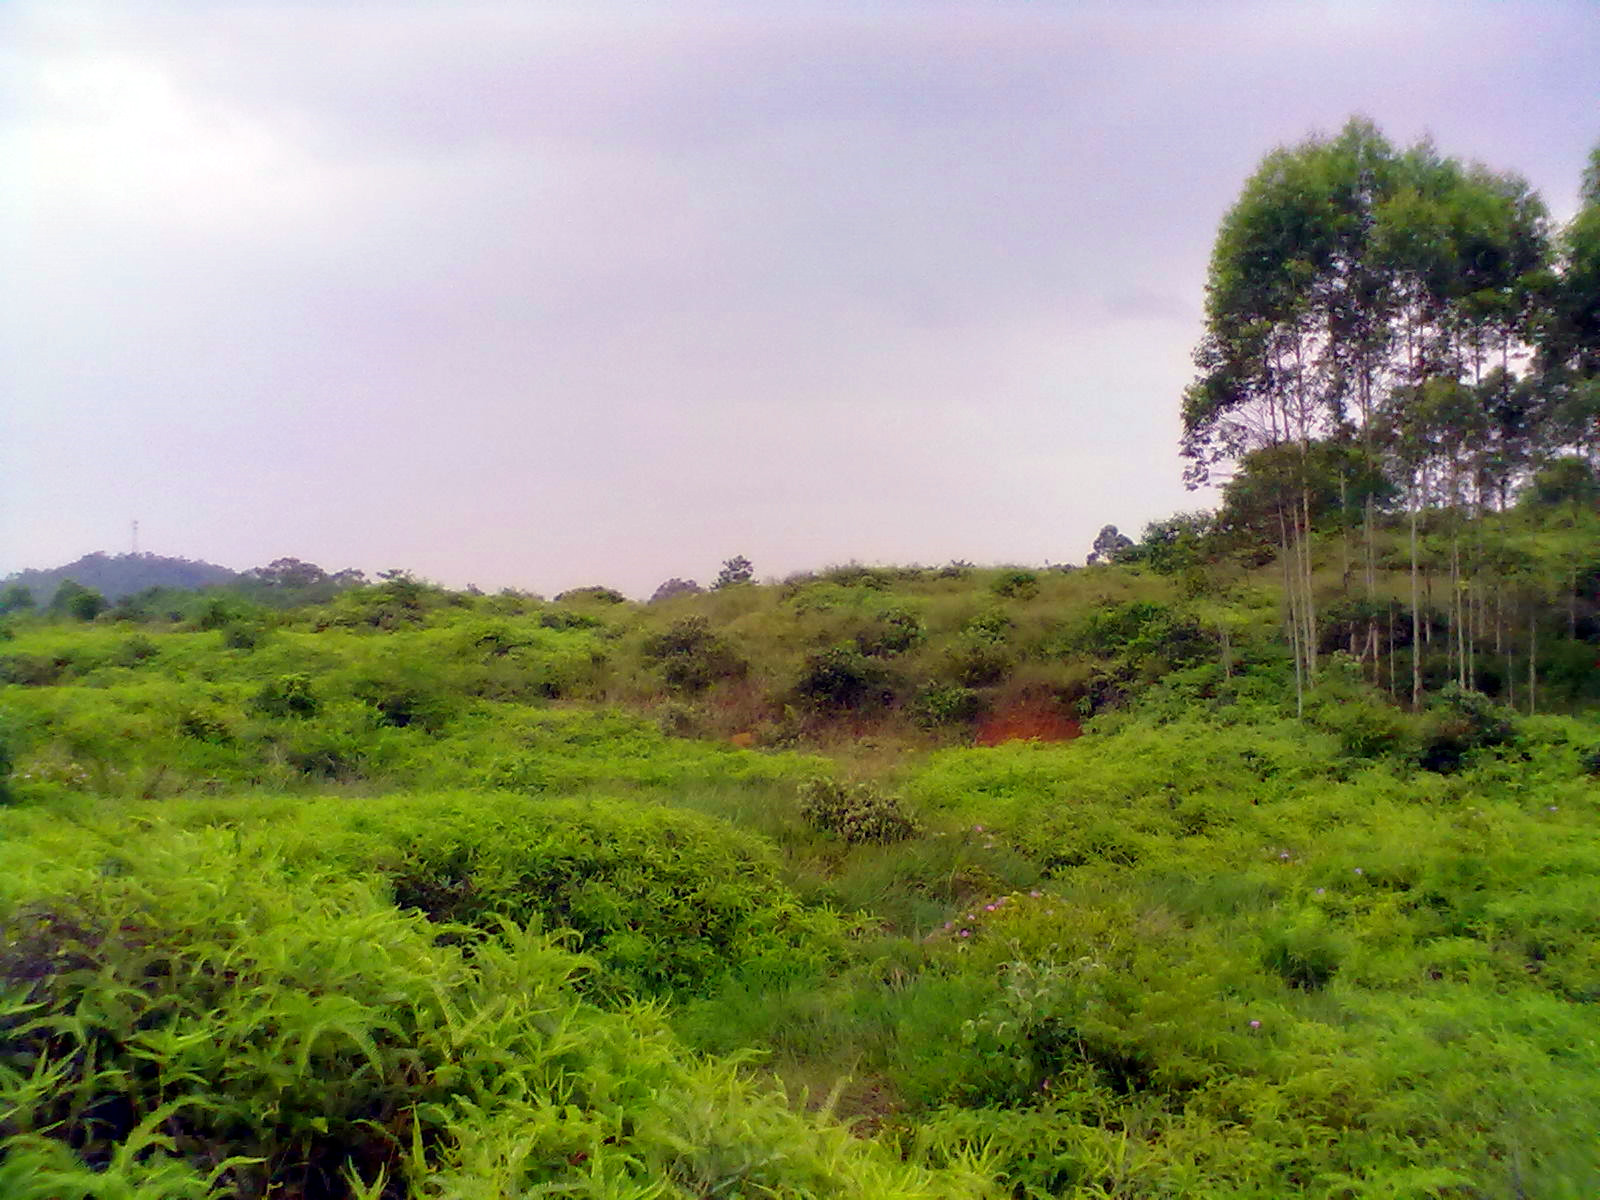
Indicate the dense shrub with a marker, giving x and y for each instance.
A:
(1458, 723)
(691, 657)
(134, 651)
(843, 678)
(664, 900)
(406, 694)
(946, 704)
(567, 618)
(892, 631)
(288, 695)
(977, 662)
(190, 1030)
(854, 812)
(33, 670)
(1305, 954)
(592, 595)
(1144, 635)
(1016, 584)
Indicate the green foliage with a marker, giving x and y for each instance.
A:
(15, 598)
(843, 678)
(1303, 953)
(288, 695)
(893, 630)
(364, 913)
(854, 812)
(664, 901)
(946, 704)
(978, 662)
(1460, 722)
(592, 595)
(190, 1028)
(735, 571)
(32, 670)
(1016, 583)
(691, 657)
(74, 600)
(1143, 635)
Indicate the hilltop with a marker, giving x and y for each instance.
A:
(117, 575)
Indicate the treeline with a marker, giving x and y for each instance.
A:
(1393, 329)
(141, 587)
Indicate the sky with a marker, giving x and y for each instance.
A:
(541, 295)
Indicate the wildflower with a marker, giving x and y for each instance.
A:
(1255, 1024)
(949, 924)
(977, 829)
(988, 908)
(1359, 871)
(1552, 808)
(966, 933)
(1284, 855)
(1321, 890)
(1036, 895)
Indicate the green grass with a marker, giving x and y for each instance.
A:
(417, 896)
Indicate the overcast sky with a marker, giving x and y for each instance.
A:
(539, 295)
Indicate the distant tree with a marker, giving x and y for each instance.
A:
(1176, 543)
(595, 594)
(74, 600)
(288, 573)
(676, 587)
(1110, 546)
(735, 571)
(15, 598)
(1570, 482)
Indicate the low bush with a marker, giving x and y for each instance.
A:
(854, 812)
(1016, 584)
(1458, 723)
(288, 695)
(938, 705)
(691, 657)
(665, 901)
(843, 678)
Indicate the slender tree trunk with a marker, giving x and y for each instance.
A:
(1291, 614)
(1416, 618)
(1533, 659)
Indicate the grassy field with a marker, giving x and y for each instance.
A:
(435, 895)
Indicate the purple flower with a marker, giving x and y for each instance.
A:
(966, 933)
(988, 908)
(1284, 855)
(1255, 1024)
(1359, 871)
(1321, 890)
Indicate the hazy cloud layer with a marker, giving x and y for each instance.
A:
(541, 295)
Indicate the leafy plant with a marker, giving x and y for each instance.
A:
(843, 678)
(855, 812)
(692, 657)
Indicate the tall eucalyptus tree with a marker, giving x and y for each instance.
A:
(1296, 327)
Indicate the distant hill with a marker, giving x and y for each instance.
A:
(118, 575)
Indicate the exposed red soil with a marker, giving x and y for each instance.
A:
(1026, 722)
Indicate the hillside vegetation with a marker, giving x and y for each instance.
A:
(422, 893)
